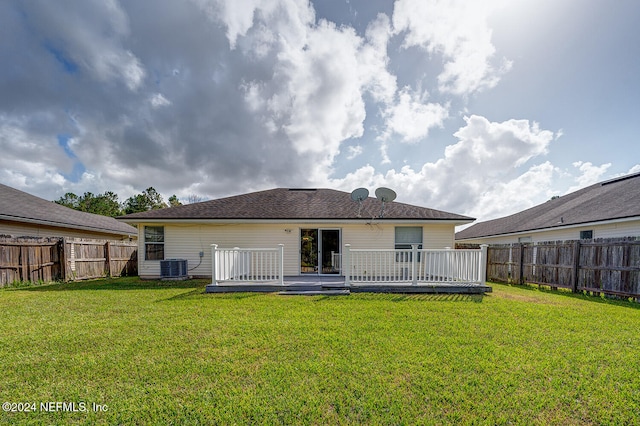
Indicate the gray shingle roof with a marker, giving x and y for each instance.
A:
(19, 206)
(294, 204)
(613, 199)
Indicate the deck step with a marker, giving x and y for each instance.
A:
(343, 292)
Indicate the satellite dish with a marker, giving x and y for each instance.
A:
(385, 195)
(359, 195)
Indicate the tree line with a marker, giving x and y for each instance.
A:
(108, 204)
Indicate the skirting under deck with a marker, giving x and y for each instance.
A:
(334, 285)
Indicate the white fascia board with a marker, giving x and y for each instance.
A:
(299, 221)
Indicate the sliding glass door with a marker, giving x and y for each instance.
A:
(320, 251)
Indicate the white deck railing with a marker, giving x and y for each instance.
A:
(336, 261)
(414, 266)
(247, 265)
(260, 265)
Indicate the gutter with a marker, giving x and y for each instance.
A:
(362, 221)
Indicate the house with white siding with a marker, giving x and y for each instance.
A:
(609, 209)
(23, 214)
(310, 227)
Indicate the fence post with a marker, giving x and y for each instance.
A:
(484, 258)
(281, 264)
(576, 265)
(62, 257)
(521, 273)
(346, 265)
(107, 261)
(214, 248)
(22, 263)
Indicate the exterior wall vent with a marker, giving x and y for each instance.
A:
(173, 268)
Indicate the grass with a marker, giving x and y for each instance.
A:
(166, 353)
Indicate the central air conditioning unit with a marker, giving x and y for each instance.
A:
(173, 269)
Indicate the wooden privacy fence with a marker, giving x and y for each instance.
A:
(29, 259)
(66, 259)
(609, 266)
(85, 259)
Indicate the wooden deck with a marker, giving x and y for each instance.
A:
(334, 285)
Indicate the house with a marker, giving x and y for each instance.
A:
(605, 210)
(22, 214)
(313, 227)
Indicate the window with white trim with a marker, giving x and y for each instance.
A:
(406, 236)
(153, 242)
(586, 235)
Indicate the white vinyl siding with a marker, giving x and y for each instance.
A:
(186, 241)
(438, 236)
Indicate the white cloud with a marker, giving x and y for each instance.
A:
(589, 174)
(354, 151)
(20, 141)
(510, 196)
(90, 36)
(412, 118)
(477, 175)
(314, 96)
(269, 20)
(500, 145)
(320, 94)
(458, 31)
(373, 61)
(158, 100)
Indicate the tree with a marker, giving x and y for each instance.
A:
(173, 201)
(68, 200)
(193, 198)
(106, 204)
(149, 199)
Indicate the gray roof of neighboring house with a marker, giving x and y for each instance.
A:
(294, 204)
(19, 206)
(613, 199)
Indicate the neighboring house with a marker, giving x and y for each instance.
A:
(22, 214)
(605, 210)
(312, 224)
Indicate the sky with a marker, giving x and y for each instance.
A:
(476, 108)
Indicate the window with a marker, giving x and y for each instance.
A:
(406, 236)
(153, 242)
(586, 235)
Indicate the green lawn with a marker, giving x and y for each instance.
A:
(166, 353)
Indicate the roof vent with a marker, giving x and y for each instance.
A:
(620, 178)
